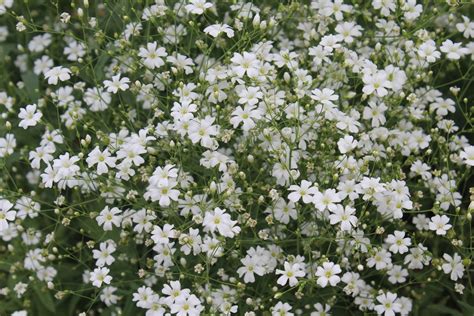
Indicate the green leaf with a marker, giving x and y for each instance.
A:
(45, 297)
(5, 49)
(439, 309)
(5, 266)
(31, 81)
(91, 227)
(467, 307)
(129, 307)
(99, 67)
(72, 305)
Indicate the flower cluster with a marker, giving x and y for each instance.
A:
(203, 157)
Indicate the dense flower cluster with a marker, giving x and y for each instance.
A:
(203, 157)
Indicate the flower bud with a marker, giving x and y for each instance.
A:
(256, 21)
(213, 187)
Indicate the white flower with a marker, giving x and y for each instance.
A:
(286, 58)
(247, 116)
(245, 64)
(343, 215)
(29, 116)
(162, 235)
(108, 217)
(188, 305)
(290, 274)
(97, 99)
(321, 310)
(34, 260)
(467, 155)
(143, 221)
(5, 214)
(452, 50)
(131, 153)
(163, 192)
(117, 84)
(42, 65)
(7, 144)
(108, 297)
(281, 309)
(304, 191)
(336, 8)
(74, 51)
(104, 254)
(99, 276)
(417, 257)
(388, 304)
(249, 95)
(327, 200)
(385, 6)
(398, 243)
(219, 220)
(143, 297)
(198, 6)
(216, 29)
(202, 131)
(326, 96)
(65, 17)
(4, 5)
(163, 175)
(20, 289)
(181, 62)
(421, 222)
(65, 166)
(454, 266)
(412, 10)
(347, 144)
(397, 274)
(467, 27)
(381, 259)
(283, 211)
(443, 106)
(251, 267)
(20, 26)
(102, 159)
(459, 288)
(57, 73)
(174, 292)
(183, 111)
(396, 77)
(151, 55)
(376, 113)
(328, 273)
(440, 224)
(42, 153)
(376, 83)
(428, 51)
(349, 30)
(27, 207)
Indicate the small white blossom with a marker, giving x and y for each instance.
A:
(57, 74)
(29, 116)
(216, 29)
(117, 84)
